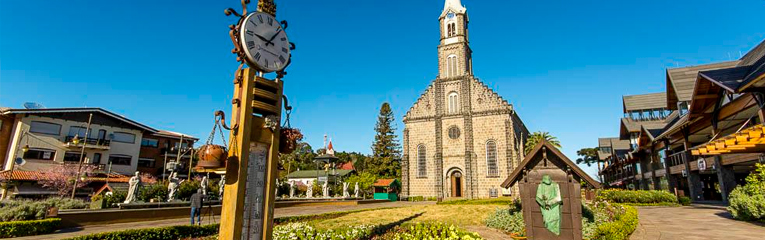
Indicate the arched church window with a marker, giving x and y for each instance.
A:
(453, 103)
(491, 158)
(448, 30)
(451, 66)
(452, 29)
(422, 170)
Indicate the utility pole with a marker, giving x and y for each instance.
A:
(82, 155)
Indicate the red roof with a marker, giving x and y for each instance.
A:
(347, 166)
(383, 182)
(19, 175)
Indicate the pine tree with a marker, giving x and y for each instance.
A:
(385, 150)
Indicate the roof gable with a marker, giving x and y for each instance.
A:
(546, 152)
(424, 106)
(483, 98)
(644, 101)
(107, 116)
(681, 81)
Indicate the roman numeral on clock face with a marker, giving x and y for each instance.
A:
(250, 44)
(270, 21)
(257, 56)
(253, 23)
(281, 59)
(284, 50)
(260, 18)
(250, 32)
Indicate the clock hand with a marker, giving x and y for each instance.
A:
(272, 38)
(264, 39)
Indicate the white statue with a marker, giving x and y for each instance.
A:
(173, 186)
(292, 189)
(203, 185)
(325, 189)
(356, 190)
(345, 190)
(221, 185)
(276, 188)
(135, 186)
(309, 192)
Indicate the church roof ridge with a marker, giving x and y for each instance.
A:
(422, 96)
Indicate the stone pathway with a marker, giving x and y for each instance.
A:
(693, 222)
(279, 212)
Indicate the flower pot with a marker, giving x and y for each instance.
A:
(288, 138)
(211, 156)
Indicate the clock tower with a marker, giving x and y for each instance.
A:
(454, 54)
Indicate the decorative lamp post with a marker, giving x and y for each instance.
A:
(76, 139)
(25, 149)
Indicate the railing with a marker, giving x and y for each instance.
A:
(676, 159)
(89, 141)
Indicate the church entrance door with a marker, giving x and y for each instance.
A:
(456, 184)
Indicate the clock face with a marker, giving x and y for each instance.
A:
(450, 15)
(264, 42)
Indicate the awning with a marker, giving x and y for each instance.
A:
(749, 140)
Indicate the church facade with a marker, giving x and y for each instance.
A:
(461, 139)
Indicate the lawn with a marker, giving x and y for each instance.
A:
(459, 215)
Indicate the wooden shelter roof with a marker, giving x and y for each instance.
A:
(384, 182)
(644, 101)
(538, 149)
(681, 81)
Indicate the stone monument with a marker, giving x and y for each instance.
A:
(221, 185)
(172, 186)
(345, 190)
(203, 185)
(292, 189)
(309, 192)
(135, 187)
(356, 190)
(325, 189)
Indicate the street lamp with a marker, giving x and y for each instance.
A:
(25, 148)
(76, 139)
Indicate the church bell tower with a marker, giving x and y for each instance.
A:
(454, 54)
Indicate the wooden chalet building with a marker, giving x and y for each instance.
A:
(707, 144)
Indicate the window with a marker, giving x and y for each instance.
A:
(451, 66)
(96, 158)
(605, 149)
(448, 30)
(683, 107)
(422, 170)
(491, 158)
(40, 154)
(123, 137)
(454, 132)
(454, 106)
(146, 162)
(117, 159)
(72, 157)
(79, 131)
(452, 29)
(183, 146)
(148, 142)
(45, 128)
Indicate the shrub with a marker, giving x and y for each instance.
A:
(683, 200)
(187, 189)
(28, 228)
(640, 197)
(507, 220)
(163, 233)
(18, 210)
(156, 191)
(747, 202)
(624, 221)
(416, 198)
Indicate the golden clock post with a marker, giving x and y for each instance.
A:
(251, 166)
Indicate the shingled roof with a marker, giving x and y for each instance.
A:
(644, 101)
(532, 158)
(681, 81)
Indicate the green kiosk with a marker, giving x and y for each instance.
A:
(387, 189)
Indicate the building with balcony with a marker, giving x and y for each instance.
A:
(163, 147)
(709, 142)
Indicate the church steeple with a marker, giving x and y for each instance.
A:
(454, 54)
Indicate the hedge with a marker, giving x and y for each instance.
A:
(28, 228)
(162, 233)
(621, 228)
(637, 197)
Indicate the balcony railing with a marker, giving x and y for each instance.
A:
(678, 158)
(89, 141)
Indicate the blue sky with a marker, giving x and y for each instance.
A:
(563, 64)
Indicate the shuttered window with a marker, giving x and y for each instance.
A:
(491, 159)
(422, 170)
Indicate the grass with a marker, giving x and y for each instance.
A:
(489, 201)
(459, 215)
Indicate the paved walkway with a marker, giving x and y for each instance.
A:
(693, 222)
(279, 212)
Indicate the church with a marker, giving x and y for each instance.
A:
(461, 139)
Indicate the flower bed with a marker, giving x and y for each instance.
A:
(637, 197)
(302, 230)
(28, 228)
(601, 220)
(429, 231)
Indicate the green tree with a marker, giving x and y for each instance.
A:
(301, 158)
(385, 149)
(359, 160)
(588, 156)
(537, 137)
(365, 180)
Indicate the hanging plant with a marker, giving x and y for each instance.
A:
(288, 138)
(211, 155)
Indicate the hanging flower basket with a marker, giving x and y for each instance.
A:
(211, 156)
(288, 139)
